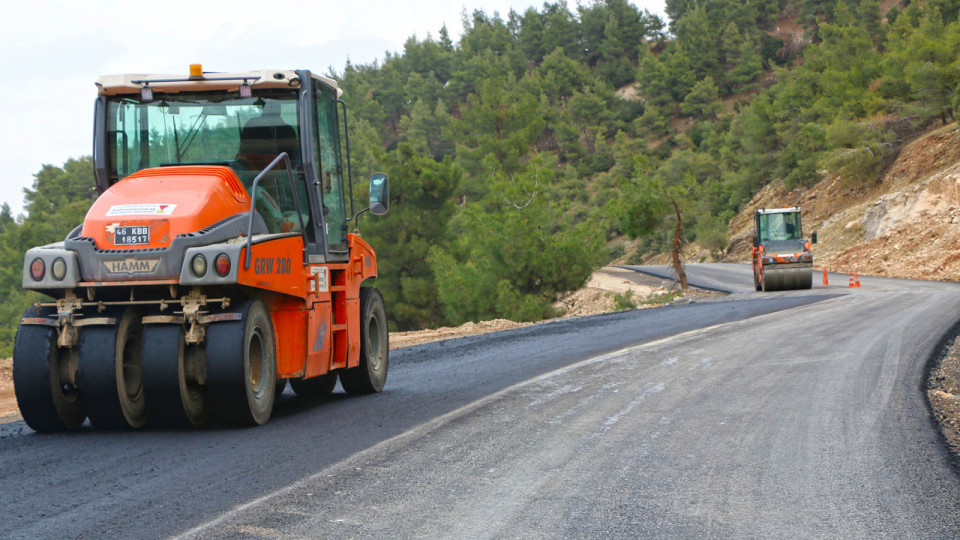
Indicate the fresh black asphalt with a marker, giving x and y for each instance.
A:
(758, 425)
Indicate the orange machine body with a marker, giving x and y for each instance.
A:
(167, 200)
(757, 259)
(310, 304)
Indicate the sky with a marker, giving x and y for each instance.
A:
(52, 51)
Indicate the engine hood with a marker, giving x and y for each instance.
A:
(150, 208)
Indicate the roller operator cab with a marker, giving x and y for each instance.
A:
(214, 266)
(781, 256)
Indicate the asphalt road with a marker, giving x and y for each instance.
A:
(788, 414)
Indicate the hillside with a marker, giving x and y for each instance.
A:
(903, 225)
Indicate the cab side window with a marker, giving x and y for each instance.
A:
(764, 229)
(329, 174)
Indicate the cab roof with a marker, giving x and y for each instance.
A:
(131, 83)
(784, 210)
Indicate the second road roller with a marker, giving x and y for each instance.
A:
(782, 258)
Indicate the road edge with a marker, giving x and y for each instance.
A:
(949, 342)
(639, 269)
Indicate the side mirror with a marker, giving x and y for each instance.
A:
(756, 240)
(379, 194)
(813, 238)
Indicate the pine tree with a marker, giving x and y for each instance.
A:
(702, 102)
(743, 77)
(516, 252)
(700, 42)
(421, 205)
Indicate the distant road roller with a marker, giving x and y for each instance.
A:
(215, 265)
(782, 259)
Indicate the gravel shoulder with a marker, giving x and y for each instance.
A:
(943, 391)
(8, 402)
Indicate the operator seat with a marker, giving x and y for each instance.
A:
(264, 137)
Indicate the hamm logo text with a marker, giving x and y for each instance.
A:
(132, 266)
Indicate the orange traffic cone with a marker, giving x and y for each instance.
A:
(825, 277)
(851, 280)
(858, 280)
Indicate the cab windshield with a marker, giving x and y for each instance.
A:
(780, 226)
(203, 128)
(214, 128)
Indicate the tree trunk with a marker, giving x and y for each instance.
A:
(677, 248)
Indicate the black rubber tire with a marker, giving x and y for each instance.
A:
(110, 373)
(242, 367)
(46, 402)
(172, 381)
(315, 387)
(371, 375)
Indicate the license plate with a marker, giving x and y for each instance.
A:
(131, 236)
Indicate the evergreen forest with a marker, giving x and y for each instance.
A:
(522, 154)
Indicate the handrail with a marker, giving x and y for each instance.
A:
(253, 202)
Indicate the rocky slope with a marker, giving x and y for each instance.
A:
(904, 225)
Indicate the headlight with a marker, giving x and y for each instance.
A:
(198, 265)
(59, 269)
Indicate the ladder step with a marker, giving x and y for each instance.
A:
(339, 327)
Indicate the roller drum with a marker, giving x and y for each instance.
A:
(785, 279)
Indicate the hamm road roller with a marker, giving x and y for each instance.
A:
(215, 264)
(782, 259)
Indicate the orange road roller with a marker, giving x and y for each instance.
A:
(215, 265)
(782, 259)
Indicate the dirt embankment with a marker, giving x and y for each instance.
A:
(902, 226)
(944, 395)
(8, 403)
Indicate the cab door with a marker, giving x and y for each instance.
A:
(330, 183)
(326, 346)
